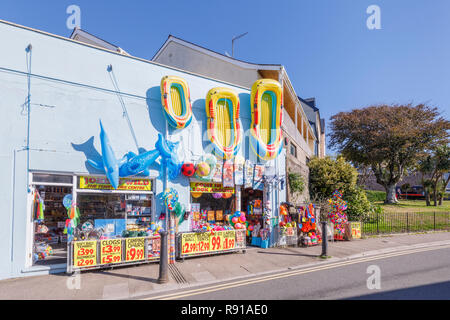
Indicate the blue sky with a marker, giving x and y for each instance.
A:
(327, 50)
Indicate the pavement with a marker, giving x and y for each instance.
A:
(135, 282)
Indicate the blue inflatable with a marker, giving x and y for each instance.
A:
(132, 164)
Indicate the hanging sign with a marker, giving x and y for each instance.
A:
(84, 253)
(228, 174)
(102, 183)
(110, 251)
(135, 249)
(248, 174)
(208, 187)
(217, 175)
(239, 162)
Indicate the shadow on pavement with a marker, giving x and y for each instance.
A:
(435, 291)
(290, 254)
(126, 276)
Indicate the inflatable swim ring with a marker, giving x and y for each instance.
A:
(267, 112)
(224, 128)
(176, 101)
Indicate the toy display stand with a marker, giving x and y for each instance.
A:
(308, 226)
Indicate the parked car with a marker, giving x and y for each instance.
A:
(414, 192)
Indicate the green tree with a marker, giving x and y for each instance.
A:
(388, 138)
(329, 174)
(436, 164)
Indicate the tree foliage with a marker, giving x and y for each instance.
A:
(388, 138)
(329, 174)
(436, 164)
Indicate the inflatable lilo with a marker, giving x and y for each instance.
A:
(224, 129)
(267, 112)
(176, 101)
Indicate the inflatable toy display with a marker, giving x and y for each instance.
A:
(132, 164)
(224, 129)
(267, 112)
(176, 101)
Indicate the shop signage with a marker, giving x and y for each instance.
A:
(135, 248)
(195, 243)
(206, 187)
(102, 183)
(85, 253)
(111, 251)
(356, 230)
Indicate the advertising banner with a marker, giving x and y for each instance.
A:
(102, 183)
(210, 187)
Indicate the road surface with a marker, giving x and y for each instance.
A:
(413, 274)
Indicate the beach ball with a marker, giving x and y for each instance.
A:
(250, 227)
(242, 218)
(217, 195)
(238, 226)
(188, 169)
(203, 169)
(235, 220)
(226, 195)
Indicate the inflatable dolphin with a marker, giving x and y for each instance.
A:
(132, 164)
(110, 165)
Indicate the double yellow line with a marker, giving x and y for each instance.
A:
(224, 286)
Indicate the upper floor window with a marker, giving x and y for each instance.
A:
(293, 150)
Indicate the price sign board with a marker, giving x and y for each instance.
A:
(134, 249)
(111, 251)
(356, 230)
(219, 215)
(193, 243)
(153, 248)
(222, 240)
(84, 253)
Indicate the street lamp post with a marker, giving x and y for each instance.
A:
(324, 239)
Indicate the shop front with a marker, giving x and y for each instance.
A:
(102, 171)
(106, 219)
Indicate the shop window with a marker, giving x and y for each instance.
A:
(52, 178)
(116, 215)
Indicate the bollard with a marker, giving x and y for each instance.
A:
(163, 258)
(324, 239)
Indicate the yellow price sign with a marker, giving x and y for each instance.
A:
(356, 230)
(111, 251)
(85, 253)
(192, 243)
(135, 248)
(222, 240)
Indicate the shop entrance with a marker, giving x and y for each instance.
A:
(49, 218)
(252, 205)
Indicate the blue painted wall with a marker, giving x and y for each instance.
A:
(71, 89)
